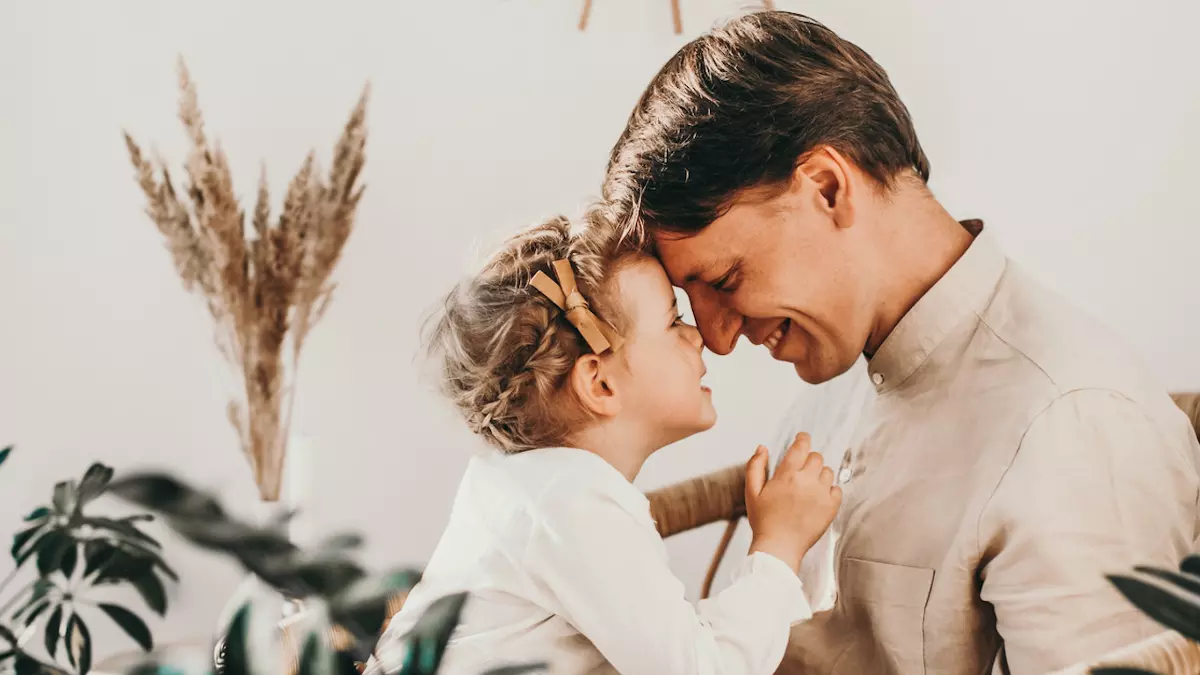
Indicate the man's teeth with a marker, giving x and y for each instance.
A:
(773, 339)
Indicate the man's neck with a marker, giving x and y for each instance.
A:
(920, 241)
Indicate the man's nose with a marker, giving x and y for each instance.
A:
(719, 325)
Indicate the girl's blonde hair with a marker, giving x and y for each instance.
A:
(505, 351)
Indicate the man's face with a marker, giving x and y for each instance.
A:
(786, 270)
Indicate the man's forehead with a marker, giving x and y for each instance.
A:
(686, 259)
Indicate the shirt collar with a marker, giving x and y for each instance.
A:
(964, 291)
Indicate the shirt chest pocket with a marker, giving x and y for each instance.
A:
(885, 604)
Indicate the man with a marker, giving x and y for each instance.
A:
(1016, 451)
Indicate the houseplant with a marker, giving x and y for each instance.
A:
(74, 552)
(346, 606)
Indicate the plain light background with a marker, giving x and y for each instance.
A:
(1070, 127)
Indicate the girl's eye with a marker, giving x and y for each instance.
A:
(679, 320)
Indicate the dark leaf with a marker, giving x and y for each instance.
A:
(41, 606)
(64, 498)
(309, 656)
(5, 655)
(78, 638)
(41, 589)
(69, 559)
(53, 627)
(27, 666)
(130, 623)
(1191, 565)
(151, 589)
(52, 548)
(1185, 581)
(428, 638)
(37, 514)
(72, 641)
(341, 542)
(93, 484)
(236, 658)
(127, 531)
(519, 669)
(139, 518)
(162, 493)
(7, 635)
(21, 539)
(4, 453)
(345, 664)
(97, 554)
(303, 577)
(1165, 605)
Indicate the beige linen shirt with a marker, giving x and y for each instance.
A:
(1015, 454)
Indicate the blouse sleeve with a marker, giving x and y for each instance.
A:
(607, 573)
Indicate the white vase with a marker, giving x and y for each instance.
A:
(269, 607)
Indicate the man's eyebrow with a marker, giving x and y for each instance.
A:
(696, 275)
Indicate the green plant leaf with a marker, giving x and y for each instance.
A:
(345, 664)
(69, 559)
(309, 655)
(5, 453)
(519, 669)
(21, 539)
(125, 531)
(41, 589)
(236, 658)
(41, 606)
(37, 514)
(1184, 581)
(166, 495)
(1191, 565)
(150, 587)
(1167, 606)
(52, 548)
(27, 666)
(64, 498)
(431, 633)
(79, 644)
(130, 623)
(95, 480)
(52, 631)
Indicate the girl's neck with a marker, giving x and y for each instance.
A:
(620, 446)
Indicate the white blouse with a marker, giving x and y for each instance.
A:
(564, 566)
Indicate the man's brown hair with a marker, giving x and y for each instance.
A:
(740, 107)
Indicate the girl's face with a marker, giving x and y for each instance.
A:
(659, 381)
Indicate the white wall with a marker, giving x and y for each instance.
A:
(1071, 128)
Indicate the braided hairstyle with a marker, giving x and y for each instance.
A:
(505, 351)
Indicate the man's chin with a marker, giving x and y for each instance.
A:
(824, 371)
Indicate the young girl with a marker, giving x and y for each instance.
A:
(570, 358)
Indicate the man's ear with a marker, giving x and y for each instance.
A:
(829, 175)
(591, 382)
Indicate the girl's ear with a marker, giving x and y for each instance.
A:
(590, 380)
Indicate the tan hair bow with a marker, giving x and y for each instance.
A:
(599, 335)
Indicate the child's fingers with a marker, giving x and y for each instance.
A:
(794, 456)
(826, 476)
(756, 472)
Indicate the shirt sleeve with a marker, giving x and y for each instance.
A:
(608, 576)
(1096, 487)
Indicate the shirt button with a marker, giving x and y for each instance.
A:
(844, 476)
(877, 378)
